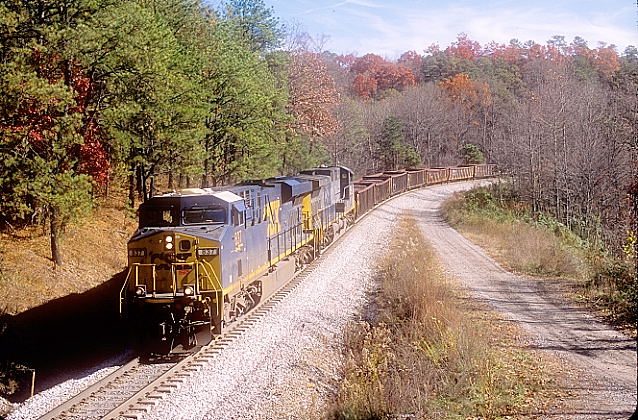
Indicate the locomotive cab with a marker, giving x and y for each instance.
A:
(174, 281)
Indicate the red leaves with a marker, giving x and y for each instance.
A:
(93, 157)
(40, 116)
(464, 48)
(375, 74)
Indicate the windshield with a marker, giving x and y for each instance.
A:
(158, 217)
(216, 215)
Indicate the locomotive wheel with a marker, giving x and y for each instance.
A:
(308, 255)
(304, 256)
(229, 312)
(328, 236)
(215, 320)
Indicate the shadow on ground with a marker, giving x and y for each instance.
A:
(66, 336)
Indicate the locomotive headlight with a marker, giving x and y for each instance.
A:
(188, 290)
(169, 245)
(140, 291)
(169, 239)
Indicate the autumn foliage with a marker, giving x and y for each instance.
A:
(38, 116)
(464, 48)
(312, 95)
(374, 74)
(462, 89)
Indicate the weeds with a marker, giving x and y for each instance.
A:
(427, 355)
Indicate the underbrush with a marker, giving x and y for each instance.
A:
(541, 246)
(428, 353)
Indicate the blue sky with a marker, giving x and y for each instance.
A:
(389, 28)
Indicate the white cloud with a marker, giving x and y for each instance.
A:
(401, 29)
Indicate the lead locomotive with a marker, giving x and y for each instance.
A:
(203, 257)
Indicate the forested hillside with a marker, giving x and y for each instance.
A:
(98, 95)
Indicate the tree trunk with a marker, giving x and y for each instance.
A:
(205, 174)
(131, 188)
(141, 183)
(56, 256)
(152, 187)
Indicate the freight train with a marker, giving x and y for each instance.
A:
(201, 258)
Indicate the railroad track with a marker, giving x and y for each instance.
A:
(136, 388)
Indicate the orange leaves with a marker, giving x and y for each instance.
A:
(464, 48)
(468, 92)
(364, 86)
(606, 60)
(375, 74)
(312, 95)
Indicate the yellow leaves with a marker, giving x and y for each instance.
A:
(630, 247)
(470, 93)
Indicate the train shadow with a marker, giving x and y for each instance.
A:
(66, 337)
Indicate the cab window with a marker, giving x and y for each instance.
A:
(238, 217)
(158, 217)
(214, 215)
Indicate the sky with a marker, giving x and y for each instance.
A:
(389, 28)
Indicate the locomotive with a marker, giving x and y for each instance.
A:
(201, 258)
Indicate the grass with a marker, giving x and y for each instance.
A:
(540, 246)
(430, 352)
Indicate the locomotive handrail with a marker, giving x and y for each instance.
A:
(128, 276)
(216, 284)
(207, 275)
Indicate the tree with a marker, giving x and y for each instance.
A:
(393, 150)
(312, 95)
(151, 102)
(374, 74)
(464, 48)
(255, 23)
(413, 61)
(247, 121)
(43, 120)
(472, 154)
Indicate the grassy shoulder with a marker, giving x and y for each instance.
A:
(543, 247)
(432, 353)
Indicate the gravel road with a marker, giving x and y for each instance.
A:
(600, 362)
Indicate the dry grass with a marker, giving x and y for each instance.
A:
(548, 249)
(92, 250)
(526, 249)
(431, 353)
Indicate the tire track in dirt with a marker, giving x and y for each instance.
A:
(600, 361)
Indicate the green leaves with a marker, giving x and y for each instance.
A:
(255, 23)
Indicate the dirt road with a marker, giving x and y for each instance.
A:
(601, 362)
